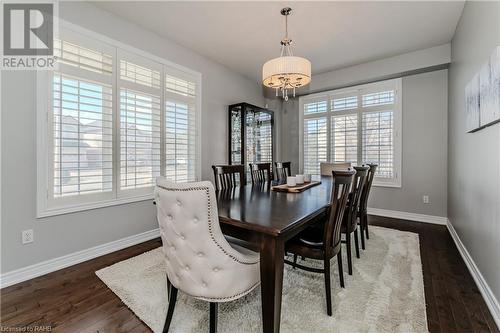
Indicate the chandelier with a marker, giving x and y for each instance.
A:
(286, 72)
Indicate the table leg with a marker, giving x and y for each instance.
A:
(272, 251)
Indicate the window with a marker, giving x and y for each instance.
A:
(315, 144)
(82, 132)
(140, 123)
(139, 139)
(180, 129)
(359, 125)
(344, 134)
(111, 120)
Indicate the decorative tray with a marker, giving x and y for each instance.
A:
(296, 188)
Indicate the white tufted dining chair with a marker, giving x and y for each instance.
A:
(200, 261)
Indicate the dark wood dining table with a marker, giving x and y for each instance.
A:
(268, 219)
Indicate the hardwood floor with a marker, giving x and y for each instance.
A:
(75, 300)
(454, 304)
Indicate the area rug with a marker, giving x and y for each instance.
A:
(384, 294)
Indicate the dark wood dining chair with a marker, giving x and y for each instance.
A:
(261, 172)
(227, 176)
(282, 170)
(363, 204)
(350, 220)
(323, 240)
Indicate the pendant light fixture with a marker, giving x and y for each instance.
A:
(287, 71)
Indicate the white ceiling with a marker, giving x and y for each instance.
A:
(243, 35)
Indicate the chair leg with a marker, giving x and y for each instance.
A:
(356, 242)
(328, 287)
(349, 254)
(365, 219)
(341, 268)
(171, 305)
(362, 232)
(169, 286)
(294, 261)
(213, 317)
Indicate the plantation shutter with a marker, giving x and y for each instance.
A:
(110, 120)
(378, 131)
(140, 123)
(344, 136)
(360, 124)
(80, 121)
(180, 126)
(315, 144)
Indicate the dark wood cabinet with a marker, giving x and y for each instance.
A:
(251, 134)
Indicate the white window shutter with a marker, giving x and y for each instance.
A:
(359, 124)
(140, 124)
(116, 119)
(181, 119)
(180, 141)
(83, 136)
(315, 144)
(344, 137)
(378, 141)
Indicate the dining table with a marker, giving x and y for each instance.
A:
(266, 219)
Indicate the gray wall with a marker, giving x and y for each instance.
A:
(474, 158)
(60, 235)
(382, 69)
(424, 161)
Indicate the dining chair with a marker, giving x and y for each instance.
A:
(199, 260)
(350, 220)
(227, 176)
(363, 204)
(326, 168)
(282, 170)
(261, 172)
(323, 240)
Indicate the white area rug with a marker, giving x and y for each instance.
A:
(385, 293)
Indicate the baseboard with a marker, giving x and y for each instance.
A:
(48, 266)
(408, 216)
(481, 283)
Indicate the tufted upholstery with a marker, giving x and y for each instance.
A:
(199, 260)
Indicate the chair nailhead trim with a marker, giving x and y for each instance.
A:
(238, 295)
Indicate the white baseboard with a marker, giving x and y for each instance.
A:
(51, 265)
(408, 216)
(481, 283)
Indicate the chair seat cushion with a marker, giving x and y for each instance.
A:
(242, 246)
(312, 237)
(308, 243)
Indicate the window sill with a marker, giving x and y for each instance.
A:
(53, 211)
(388, 184)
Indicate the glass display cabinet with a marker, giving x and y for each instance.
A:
(251, 134)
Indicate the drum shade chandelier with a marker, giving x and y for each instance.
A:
(286, 72)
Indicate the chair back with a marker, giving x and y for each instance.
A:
(326, 168)
(261, 172)
(227, 176)
(199, 260)
(355, 195)
(341, 185)
(363, 204)
(282, 170)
